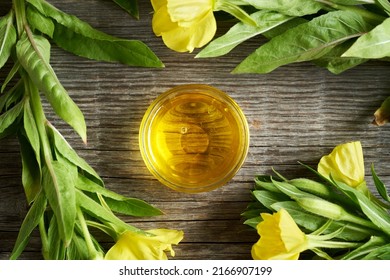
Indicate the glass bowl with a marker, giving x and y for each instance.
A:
(194, 138)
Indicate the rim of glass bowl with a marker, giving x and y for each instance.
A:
(154, 107)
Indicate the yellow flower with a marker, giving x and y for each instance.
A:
(345, 164)
(134, 246)
(280, 238)
(184, 24)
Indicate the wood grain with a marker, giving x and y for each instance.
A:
(296, 113)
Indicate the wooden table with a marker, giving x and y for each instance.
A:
(297, 113)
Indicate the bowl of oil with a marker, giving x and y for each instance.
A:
(194, 138)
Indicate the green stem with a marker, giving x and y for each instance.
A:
(372, 17)
(44, 239)
(234, 10)
(315, 242)
(19, 6)
(93, 254)
(357, 220)
(40, 119)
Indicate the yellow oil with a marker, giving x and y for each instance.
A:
(196, 141)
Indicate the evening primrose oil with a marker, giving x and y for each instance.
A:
(194, 138)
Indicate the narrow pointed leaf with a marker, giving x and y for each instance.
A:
(287, 7)
(36, 19)
(7, 37)
(31, 130)
(31, 170)
(253, 222)
(380, 186)
(241, 32)
(335, 62)
(374, 44)
(268, 198)
(118, 203)
(305, 42)
(9, 117)
(30, 222)
(78, 37)
(101, 213)
(373, 243)
(59, 185)
(374, 212)
(11, 74)
(33, 53)
(353, 2)
(130, 6)
(63, 148)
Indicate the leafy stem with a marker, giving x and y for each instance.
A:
(93, 254)
(44, 239)
(19, 7)
(375, 18)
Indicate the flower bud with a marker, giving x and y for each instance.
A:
(382, 114)
(321, 207)
(311, 186)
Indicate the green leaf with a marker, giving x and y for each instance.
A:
(381, 253)
(31, 171)
(130, 6)
(78, 37)
(374, 212)
(234, 10)
(292, 191)
(353, 2)
(56, 250)
(305, 42)
(58, 182)
(268, 198)
(45, 24)
(65, 150)
(78, 249)
(99, 212)
(371, 245)
(11, 74)
(380, 186)
(253, 222)
(287, 7)
(265, 182)
(31, 130)
(384, 4)
(132, 207)
(374, 44)
(279, 29)
(9, 117)
(30, 222)
(33, 53)
(7, 37)
(335, 62)
(118, 203)
(251, 213)
(241, 32)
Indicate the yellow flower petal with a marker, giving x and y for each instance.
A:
(189, 10)
(182, 39)
(161, 22)
(184, 25)
(134, 246)
(345, 164)
(280, 238)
